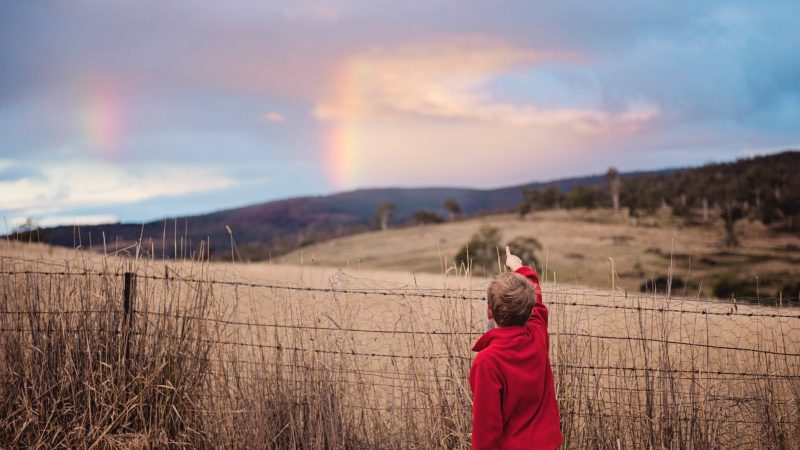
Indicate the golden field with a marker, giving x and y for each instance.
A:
(276, 355)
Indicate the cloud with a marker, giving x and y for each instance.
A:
(425, 92)
(273, 116)
(448, 80)
(414, 151)
(85, 183)
(63, 219)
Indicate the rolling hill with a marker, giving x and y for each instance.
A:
(577, 245)
(274, 228)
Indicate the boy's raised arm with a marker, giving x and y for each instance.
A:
(539, 312)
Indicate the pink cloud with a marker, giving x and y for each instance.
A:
(447, 79)
(273, 116)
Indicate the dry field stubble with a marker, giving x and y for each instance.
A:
(221, 355)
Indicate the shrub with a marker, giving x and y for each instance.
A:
(423, 217)
(728, 286)
(481, 250)
(659, 285)
(525, 248)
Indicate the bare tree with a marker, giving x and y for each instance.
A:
(731, 212)
(453, 208)
(614, 185)
(27, 226)
(382, 214)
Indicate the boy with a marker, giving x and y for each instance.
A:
(514, 402)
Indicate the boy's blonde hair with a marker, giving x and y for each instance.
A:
(510, 298)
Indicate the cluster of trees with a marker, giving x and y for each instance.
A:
(764, 188)
(589, 197)
(550, 198)
(422, 217)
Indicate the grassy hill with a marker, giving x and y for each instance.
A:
(577, 246)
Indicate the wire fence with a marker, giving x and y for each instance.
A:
(621, 347)
(700, 309)
(732, 309)
(653, 370)
(636, 304)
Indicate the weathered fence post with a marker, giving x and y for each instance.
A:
(129, 308)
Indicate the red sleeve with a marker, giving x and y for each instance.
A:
(487, 398)
(539, 314)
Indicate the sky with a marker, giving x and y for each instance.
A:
(131, 111)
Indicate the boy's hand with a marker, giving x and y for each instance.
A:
(513, 262)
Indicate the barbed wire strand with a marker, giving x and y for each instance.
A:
(732, 309)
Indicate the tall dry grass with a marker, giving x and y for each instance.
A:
(205, 364)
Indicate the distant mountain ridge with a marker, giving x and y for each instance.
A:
(276, 227)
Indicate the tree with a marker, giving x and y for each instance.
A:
(731, 213)
(481, 250)
(531, 198)
(26, 227)
(551, 198)
(683, 193)
(524, 209)
(641, 195)
(26, 231)
(534, 199)
(681, 207)
(583, 197)
(752, 184)
(453, 209)
(785, 210)
(382, 215)
(423, 217)
(790, 205)
(614, 184)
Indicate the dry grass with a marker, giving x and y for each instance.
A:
(342, 360)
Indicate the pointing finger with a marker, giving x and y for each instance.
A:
(508, 251)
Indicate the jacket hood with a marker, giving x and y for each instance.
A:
(497, 334)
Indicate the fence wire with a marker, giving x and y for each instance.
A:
(256, 350)
(732, 309)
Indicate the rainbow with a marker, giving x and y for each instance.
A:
(342, 137)
(341, 152)
(102, 118)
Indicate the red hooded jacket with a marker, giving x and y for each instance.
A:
(513, 396)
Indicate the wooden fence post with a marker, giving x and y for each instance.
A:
(129, 309)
